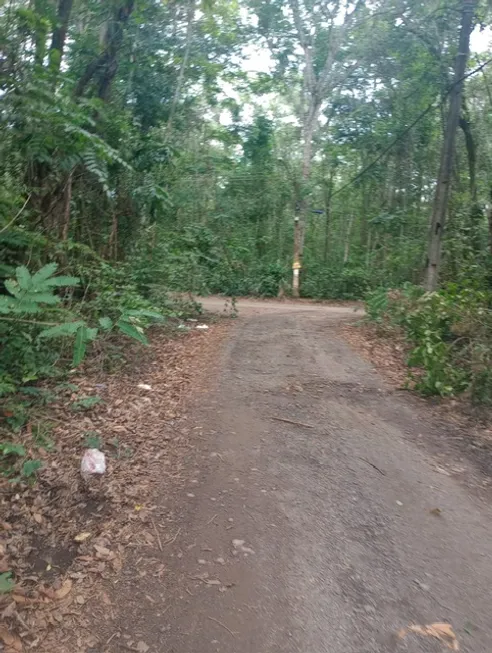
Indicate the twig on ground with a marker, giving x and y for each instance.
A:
(173, 539)
(223, 626)
(157, 534)
(211, 520)
(111, 639)
(290, 421)
(372, 465)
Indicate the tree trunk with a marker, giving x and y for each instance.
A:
(476, 213)
(296, 268)
(184, 63)
(106, 64)
(346, 249)
(441, 197)
(67, 202)
(328, 190)
(59, 35)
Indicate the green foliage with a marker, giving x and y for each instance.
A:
(86, 403)
(29, 294)
(449, 333)
(30, 468)
(13, 462)
(326, 283)
(93, 440)
(6, 582)
(11, 449)
(28, 354)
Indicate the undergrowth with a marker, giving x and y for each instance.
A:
(449, 335)
(54, 315)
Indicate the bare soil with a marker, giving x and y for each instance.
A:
(307, 507)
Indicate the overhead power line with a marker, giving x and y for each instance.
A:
(399, 137)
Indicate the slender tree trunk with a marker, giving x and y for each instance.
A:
(476, 213)
(441, 197)
(184, 63)
(327, 197)
(67, 202)
(60, 35)
(105, 65)
(113, 237)
(296, 268)
(346, 249)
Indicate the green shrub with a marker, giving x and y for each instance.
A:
(33, 315)
(449, 333)
(327, 283)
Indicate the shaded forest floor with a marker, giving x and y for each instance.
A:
(63, 537)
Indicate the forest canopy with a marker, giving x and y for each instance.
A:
(211, 146)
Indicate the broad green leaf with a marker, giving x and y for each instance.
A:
(44, 273)
(22, 306)
(10, 448)
(80, 346)
(6, 582)
(106, 323)
(91, 334)
(63, 281)
(30, 467)
(12, 286)
(7, 304)
(132, 331)
(144, 313)
(60, 330)
(43, 298)
(24, 278)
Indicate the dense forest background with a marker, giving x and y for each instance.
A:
(141, 152)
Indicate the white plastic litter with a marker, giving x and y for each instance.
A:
(202, 327)
(144, 386)
(93, 462)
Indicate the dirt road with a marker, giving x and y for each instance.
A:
(317, 515)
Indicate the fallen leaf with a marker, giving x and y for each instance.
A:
(102, 550)
(12, 642)
(441, 631)
(64, 590)
(9, 610)
(436, 512)
(18, 598)
(82, 537)
(142, 647)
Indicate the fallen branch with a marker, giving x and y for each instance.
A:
(157, 534)
(173, 539)
(372, 465)
(290, 421)
(223, 626)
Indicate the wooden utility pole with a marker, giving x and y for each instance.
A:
(441, 197)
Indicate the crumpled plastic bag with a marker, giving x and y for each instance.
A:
(93, 462)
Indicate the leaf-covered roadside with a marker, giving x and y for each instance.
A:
(62, 538)
(448, 335)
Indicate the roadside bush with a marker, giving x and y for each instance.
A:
(349, 283)
(450, 335)
(36, 320)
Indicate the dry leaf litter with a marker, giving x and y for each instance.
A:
(67, 535)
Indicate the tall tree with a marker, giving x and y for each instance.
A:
(441, 197)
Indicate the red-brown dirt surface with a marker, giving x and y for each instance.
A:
(281, 497)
